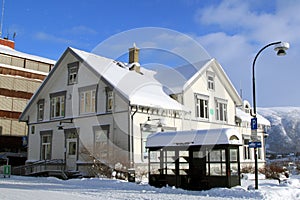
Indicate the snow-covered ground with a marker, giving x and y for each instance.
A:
(23, 188)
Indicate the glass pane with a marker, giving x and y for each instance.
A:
(223, 155)
(223, 169)
(183, 168)
(233, 155)
(234, 169)
(170, 156)
(154, 168)
(72, 148)
(215, 169)
(198, 154)
(154, 156)
(215, 155)
(183, 156)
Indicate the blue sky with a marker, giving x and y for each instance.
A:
(230, 31)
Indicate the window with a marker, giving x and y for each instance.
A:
(221, 111)
(88, 100)
(216, 163)
(247, 152)
(109, 100)
(210, 80)
(144, 135)
(40, 110)
(202, 107)
(234, 167)
(46, 142)
(101, 136)
(57, 103)
(73, 73)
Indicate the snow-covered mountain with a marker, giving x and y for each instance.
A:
(284, 134)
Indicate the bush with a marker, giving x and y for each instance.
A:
(273, 170)
(247, 169)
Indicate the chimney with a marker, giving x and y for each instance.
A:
(134, 59)
(7, 42)
(134, 54)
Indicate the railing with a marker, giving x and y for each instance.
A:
(39, 167)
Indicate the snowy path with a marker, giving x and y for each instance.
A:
(23, 188)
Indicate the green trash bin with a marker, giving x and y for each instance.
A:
(7, 171)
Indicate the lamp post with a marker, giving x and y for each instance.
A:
(280, 47)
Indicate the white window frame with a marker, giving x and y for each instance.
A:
(87, 99)
(46, 147)
(57, 105)
(202, 106)
(40, 109)
(221, 110)
(210, 80)
(73, 73)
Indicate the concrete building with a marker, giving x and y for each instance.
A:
(20, 76)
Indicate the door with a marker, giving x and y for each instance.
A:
(234, 168)
(71, 151)
(198, 170)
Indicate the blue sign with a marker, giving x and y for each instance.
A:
(254, 144)
(254, 123)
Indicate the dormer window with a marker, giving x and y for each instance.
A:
(210, 80)
(73, 73)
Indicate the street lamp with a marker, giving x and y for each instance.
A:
(280, 47)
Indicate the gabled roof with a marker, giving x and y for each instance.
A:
(138, 89)
(194, 138)
(180, 78)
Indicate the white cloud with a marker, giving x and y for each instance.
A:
(240, 30)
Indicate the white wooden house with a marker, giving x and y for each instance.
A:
(93, 111)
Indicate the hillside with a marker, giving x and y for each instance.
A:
(284, 134)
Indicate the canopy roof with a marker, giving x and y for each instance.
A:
(194, 138)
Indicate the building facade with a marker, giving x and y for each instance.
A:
(95, 114)
(20, 76)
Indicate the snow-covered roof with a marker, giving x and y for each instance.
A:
(139, 89)
(175, 78)
(13, 52)
(194, 138)
(246, 117)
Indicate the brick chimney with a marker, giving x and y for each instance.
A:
(134, 58)
(134, 54)
(7, 42)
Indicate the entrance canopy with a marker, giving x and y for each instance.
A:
(194, 138)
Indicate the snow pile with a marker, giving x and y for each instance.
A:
(23, 188)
